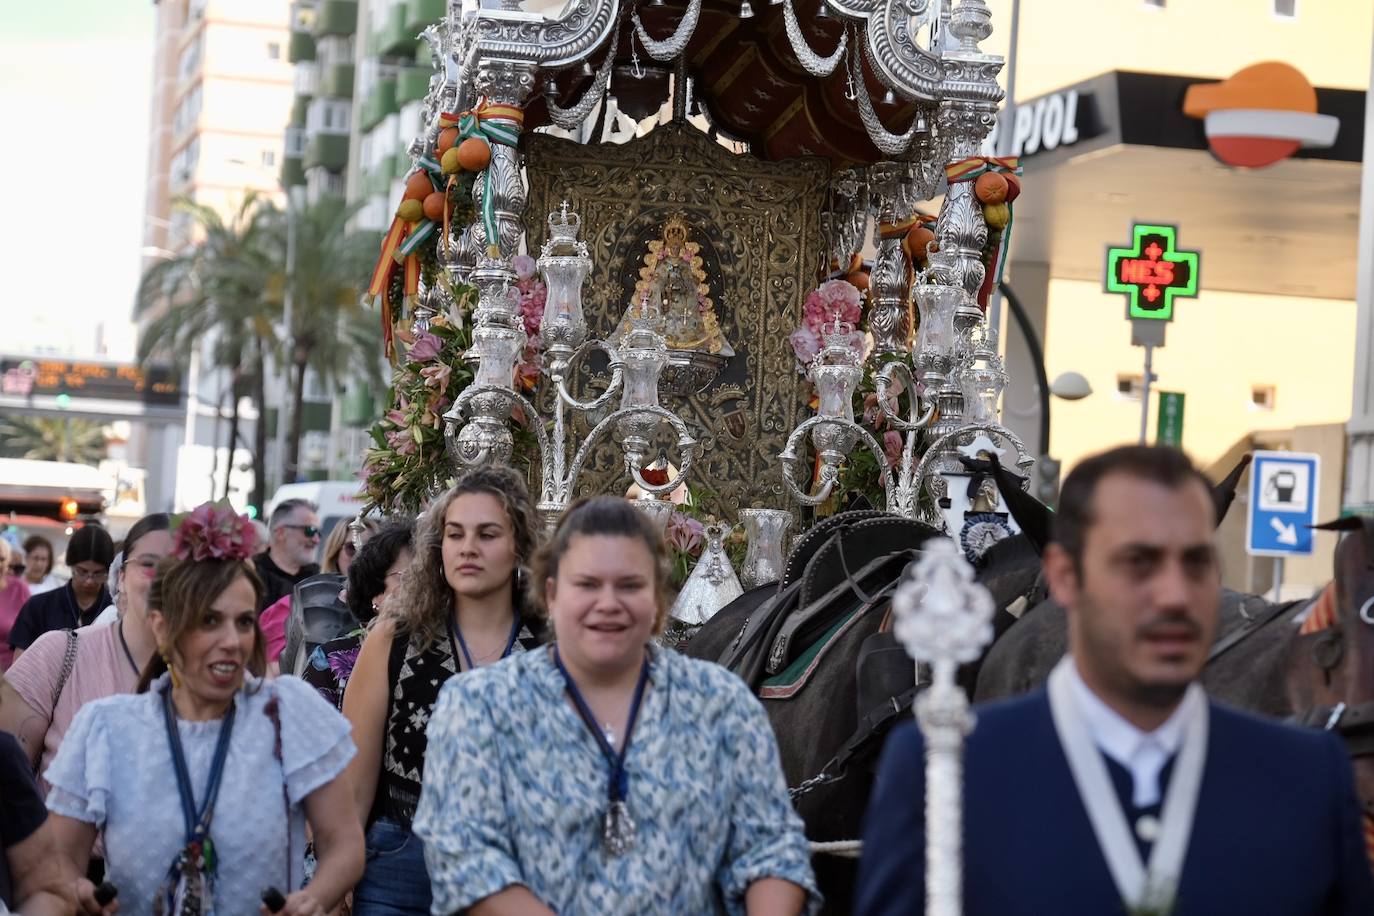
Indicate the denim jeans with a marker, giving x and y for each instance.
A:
(395, 882)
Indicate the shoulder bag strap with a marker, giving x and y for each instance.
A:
(68, 662)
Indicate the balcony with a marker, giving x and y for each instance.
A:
(292, 172)
(307, 79)
(300, 48)
(293, 145)
(299, 106)
(329, 151)
(379, 104)
(338, 82)
(420, 13)
(396, 38)
(336, 17)
(412, 83)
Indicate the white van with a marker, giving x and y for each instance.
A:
(338, 500)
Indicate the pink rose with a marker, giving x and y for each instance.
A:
(805, 344)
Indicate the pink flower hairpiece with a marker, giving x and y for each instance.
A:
(213, 531)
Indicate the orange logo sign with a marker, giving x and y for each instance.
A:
(1260, 115)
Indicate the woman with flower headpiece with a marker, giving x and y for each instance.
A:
(202, 783)
(461, 606)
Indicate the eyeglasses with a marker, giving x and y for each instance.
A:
(84, 576)
(145, 565)
(17, 568)
(309, 531)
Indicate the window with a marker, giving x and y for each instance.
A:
(1286, 9)
(295, 142)
(184, 162)
(1262, 397)
(1129, 387)
(1154, 4)
(187, 111)
(274, 50)
(269, 158)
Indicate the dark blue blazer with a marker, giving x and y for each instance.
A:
(1277, 830)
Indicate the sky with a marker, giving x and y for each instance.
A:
(75, 94)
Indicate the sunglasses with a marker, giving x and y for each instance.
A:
(17, 567)
(309, 531)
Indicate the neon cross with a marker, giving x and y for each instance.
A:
(1152, 272)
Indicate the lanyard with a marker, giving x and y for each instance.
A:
(619, 782)
(462, 644)
(197, 821)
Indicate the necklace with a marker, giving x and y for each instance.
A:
(454, 630)
(618, 828)
(125, 643)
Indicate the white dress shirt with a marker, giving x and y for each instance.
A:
(1143, 754)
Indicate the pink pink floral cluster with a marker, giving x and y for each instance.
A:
(533, 294)
(832, 298)
(685, 534)
(214, 531)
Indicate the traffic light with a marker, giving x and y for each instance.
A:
(1047, 480)
(69, 509)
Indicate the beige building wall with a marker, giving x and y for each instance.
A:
(1221, 347)
(1063, 42)
(222, 108)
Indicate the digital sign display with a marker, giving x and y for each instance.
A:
(28, 376)
(1152, 272)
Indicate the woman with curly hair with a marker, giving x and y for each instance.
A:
(461, 605)
(202, 783)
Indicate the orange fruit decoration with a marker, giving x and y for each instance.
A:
(990, 188)
(418, 187)
(916, 241)
(858, 279)
(434, 206)
(474, 154)
(447, 138)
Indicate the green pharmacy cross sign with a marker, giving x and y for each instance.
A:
(1152, 272)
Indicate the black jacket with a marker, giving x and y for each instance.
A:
(277, 581)
(54, 610)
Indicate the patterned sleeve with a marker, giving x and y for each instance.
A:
(462, 812)
(317, 741)
(80, 774)
(767, 839)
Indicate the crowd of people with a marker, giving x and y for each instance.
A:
(173, 770)
(457, 714)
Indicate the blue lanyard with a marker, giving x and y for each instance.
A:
(467, 656)
(197, 821)
(619, 782)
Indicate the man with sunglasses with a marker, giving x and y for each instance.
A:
(80, 601)
(290, 553)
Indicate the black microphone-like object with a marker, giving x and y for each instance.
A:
(273, 900)
(105, 893)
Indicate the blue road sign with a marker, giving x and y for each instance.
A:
(1283, 503)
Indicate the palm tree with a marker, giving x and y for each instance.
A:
(217, 293)
(331, 333)
(53, 439)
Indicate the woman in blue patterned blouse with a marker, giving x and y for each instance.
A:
(603, 775)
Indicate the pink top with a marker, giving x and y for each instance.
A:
(101, 669)
(273, 624)
(12, 598)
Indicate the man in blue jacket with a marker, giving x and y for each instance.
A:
(1120, 788)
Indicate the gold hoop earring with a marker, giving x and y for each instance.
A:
(171, 670)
